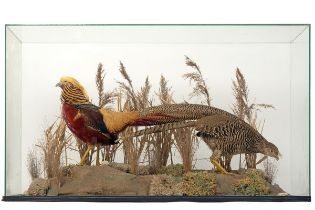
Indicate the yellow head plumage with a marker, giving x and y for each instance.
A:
(66, 81)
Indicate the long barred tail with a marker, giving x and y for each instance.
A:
(163, 127)
(179, 112)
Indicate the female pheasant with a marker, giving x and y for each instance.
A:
(95, 125)
(226, 135)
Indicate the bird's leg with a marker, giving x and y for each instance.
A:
(85, 155)
(218, 166)
(214, 160)
(98, 155)
(227, 165)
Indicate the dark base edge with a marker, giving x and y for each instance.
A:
(157, 198)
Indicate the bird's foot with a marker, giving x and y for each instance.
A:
(219, 167)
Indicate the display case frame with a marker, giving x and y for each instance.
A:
(10, 197)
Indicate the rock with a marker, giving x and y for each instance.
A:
(106, 180)
(54, 186)
(105, 162)
(225, 183)
(38, 187)
(103, 180)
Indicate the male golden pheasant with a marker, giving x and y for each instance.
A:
(95, 125)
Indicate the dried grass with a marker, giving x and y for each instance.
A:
(185, 140)
(160, 145)
(52, 145)
(133, 147)
(271, 169)
(81, 148)
(105, 99)
(128, 88)
(246, 111)
(165, 93)
(200, 88)
(33, 164)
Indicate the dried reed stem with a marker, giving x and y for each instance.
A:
(200, 88)
(246, 111)
(52, 146)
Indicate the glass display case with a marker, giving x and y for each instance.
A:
(258, 74)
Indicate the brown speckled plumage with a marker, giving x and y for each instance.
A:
(178, 112)
(229, 136)
(225, 134)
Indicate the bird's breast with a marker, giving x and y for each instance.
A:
(72, 119)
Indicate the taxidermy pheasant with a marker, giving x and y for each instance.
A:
(97, 126)
(225, 134)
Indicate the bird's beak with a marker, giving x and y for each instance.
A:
(279, 156)
(59, 84)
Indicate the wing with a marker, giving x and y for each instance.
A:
(92, 117)
(219, 126)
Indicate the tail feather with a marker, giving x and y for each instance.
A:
(163, 127)
(172, 116)
(178, 112)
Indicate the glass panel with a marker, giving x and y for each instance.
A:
(274, 60)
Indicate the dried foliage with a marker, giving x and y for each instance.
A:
(246, 111)
(105, 98)
(200, 88)
(33, 164)
(159, 149)
(242, 107)
(143, 96)
(165, 92)
(270, 169)
(133, 147)
(185, 139)
(160, 145)
(128, 87)
(52, 146)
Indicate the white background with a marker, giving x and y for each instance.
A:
(265, 66)
(179, 12)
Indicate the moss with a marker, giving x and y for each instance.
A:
(253, 184)
(172, 170)
(199, 184)
(120, 166)
(165, 185)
